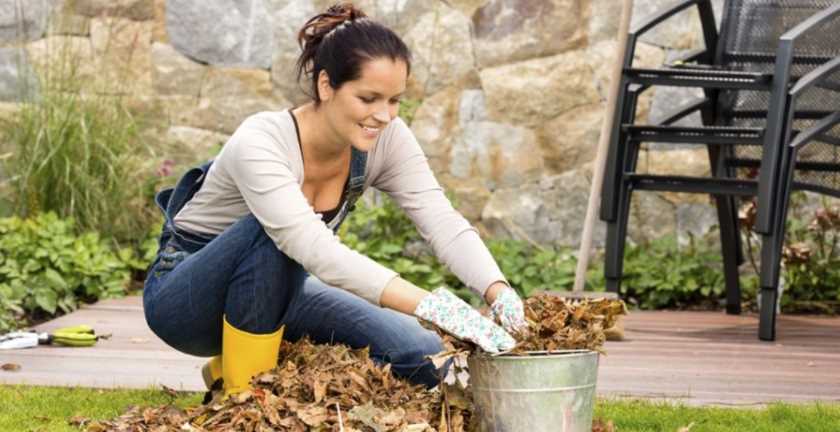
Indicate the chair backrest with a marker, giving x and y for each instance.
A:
(749, 36)
(818, 162)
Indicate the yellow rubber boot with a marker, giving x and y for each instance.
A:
(245, 355)
(212, 371)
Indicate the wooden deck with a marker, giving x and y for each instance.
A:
(694, 357)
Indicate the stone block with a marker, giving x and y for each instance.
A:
(226, 33)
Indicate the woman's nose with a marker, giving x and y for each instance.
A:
(382, 115)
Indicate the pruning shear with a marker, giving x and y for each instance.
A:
(77, 336)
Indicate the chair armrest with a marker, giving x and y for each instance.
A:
(824, 124)
(811, 23)
(815, 77)
(706, 15)
(653, 21)
(809, 80)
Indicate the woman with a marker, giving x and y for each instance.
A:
(249, 247)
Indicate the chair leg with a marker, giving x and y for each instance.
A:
(771, 251)
(729, 238)
(617, 228)
(734, 202)
(729, 248)
(615, 156)
(739, 245)
(616, 242)
(770, 263)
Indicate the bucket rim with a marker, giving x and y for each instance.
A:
(531, 355)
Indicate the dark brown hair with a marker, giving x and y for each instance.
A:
(339, 41)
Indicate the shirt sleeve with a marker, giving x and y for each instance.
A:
(407, 178)
(262, 172)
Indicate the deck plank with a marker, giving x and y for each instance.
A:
(697, 358)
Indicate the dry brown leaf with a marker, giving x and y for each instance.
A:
(10, 367)
(599, 425)
(313, 415)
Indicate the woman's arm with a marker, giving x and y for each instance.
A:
(493, 291)
(406, 177)
(402, 295)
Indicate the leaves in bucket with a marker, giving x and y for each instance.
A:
(554, 323)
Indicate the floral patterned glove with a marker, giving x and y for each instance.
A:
(458, 318)
(508, 309)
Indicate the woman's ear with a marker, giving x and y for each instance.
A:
(325, 90)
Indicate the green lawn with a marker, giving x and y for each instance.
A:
(49, 409)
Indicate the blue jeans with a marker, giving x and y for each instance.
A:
(240, 274)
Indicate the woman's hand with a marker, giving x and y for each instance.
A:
(508, 309)
(458, 318)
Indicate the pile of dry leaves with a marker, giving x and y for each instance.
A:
(314, 388)
(335, 388)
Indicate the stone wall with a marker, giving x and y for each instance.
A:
(512, 91)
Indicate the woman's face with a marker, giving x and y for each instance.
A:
(360, 109)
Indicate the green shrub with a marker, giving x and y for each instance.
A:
(45, 268)
(80, 158)
(660, 274)
(531, 268)
(76, 149)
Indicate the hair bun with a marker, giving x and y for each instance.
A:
(345, 10)
(322, 24)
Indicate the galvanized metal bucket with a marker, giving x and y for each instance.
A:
(539, 392)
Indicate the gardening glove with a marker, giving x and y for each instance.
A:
(509, 310)
(455, 316)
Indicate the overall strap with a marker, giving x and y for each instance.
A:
(355, 187)
(171, 200)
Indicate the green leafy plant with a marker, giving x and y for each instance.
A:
(660, 274)
(812, 262)
(532, 268)
(810, 257)
(45, 268)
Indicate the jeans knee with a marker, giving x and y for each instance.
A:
(415, 350)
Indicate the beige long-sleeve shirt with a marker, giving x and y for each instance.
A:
(260, 171)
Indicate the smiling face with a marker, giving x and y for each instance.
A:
(359, 109)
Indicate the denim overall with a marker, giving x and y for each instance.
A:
(240, 274)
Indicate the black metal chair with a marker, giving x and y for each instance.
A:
(745, 72)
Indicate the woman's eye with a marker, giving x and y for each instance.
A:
(395, 101)
(367, 99)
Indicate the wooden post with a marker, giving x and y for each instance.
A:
(603, 144)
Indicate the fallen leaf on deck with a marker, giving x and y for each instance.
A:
(10, 367)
